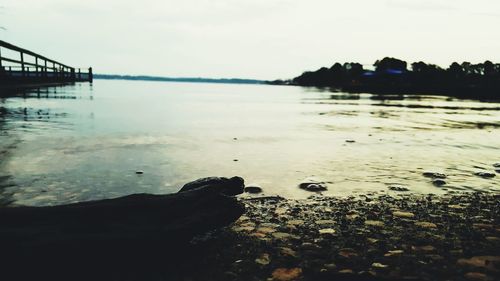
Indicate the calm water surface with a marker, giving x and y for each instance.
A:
(82, 142)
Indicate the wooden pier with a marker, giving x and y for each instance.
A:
(31, 70)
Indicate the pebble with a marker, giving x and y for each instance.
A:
(314, 187)
(374, 223)
(263, 259)
(266, 230)
(323, 222)
(400, 214)
(489, 263)
(253, 189)
(487, 175)
(379, 265)
(327, 231)
(296, 222)
(286, 274)
(139, 172)
(425, 224)
(398, 188)
(434, 175)
(394, 253)
(438, 182)
(288, 252)
(281, 235)
(477, 276)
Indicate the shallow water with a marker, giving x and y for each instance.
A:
(82, 142)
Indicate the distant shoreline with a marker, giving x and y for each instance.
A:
(392, 77)
(173, 79)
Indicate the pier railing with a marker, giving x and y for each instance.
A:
(34, 68)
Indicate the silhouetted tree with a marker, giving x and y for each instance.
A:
(389, 63)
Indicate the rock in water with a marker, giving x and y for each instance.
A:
(313, 185)
(438, 182)
(434, 175)
(486, 175)
(253, 189)
(229, 187)
(398, 188)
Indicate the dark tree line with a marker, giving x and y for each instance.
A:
(394, 76)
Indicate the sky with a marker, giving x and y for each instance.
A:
(260, 39)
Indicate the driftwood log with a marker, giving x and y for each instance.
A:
(128, 231)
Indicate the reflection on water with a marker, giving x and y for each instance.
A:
(83, 142)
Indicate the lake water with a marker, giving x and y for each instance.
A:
(83, 142)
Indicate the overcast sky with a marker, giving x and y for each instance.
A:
(264, 39)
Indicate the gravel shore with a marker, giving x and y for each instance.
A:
(372, 237)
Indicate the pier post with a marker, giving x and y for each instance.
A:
(22, 63)
(36, 67)
(91, 77)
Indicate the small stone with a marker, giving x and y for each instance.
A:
(352, 216)
(253, 189)
(139, 172)
(330, 266)
(263, 259)
(281, 235)
(496, 165)
(434, 175)
(266, 230)
(323, 222)
(425, 224)
(458, 207)
(438, 182)
(486, 175)
(313, 185)
(400, 214)
(346, 271)
(493, 238)
(477, 276)
(309, 246)
(347, 253)
(394, 253)
(280, 211)
(379, 265)
(350, 141)
(427, 248)
(243, 229)
(286, 274)
(482, 225)
(374, 223)
(243, 218)
(235, 160)
(296, 222)
(398, 188)
(327, 231)
(288, 252)
(259, 235)
(490, 263)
